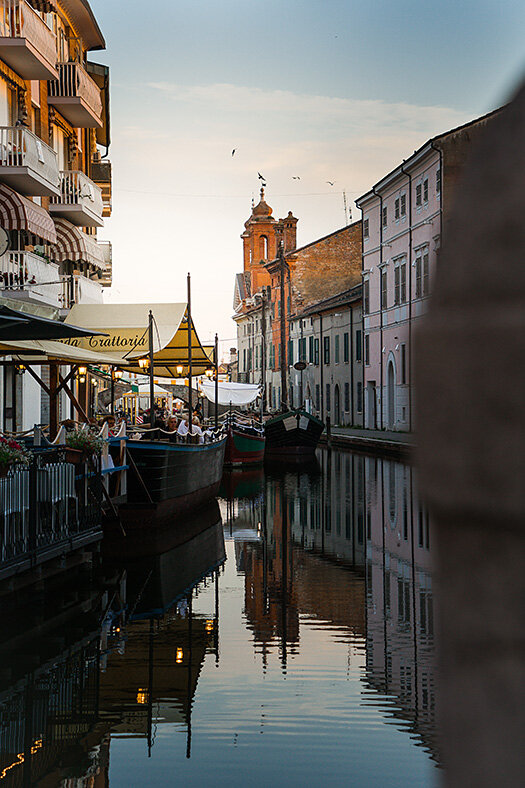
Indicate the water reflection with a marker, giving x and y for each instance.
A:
(324, 639)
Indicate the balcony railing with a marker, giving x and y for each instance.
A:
(27, 164)
(79, 289)
(101, 174)
(79, 201)
(27, 276)
(76, 95)
(45, 506)
(27, 45)
(107, 274)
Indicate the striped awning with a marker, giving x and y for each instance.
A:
(19, 213)
(75, 246)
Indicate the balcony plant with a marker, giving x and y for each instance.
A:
(11, 452)
(81, 444)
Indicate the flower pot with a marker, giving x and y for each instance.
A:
(4, 469)
(75, 456)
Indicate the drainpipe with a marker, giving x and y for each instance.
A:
(321, 370)
(409, 288)
(381, 305)
(352, 363)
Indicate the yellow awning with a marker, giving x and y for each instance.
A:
(126, 326)
(42, 350)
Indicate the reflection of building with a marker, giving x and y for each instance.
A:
(400, 647)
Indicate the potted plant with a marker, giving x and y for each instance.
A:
(10, 452)
(81, 444)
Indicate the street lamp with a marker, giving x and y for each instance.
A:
(209, 373)
(180, 369)
(143, 363)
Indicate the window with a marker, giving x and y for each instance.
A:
(403, 281)
(347, 397)
(316, 351)
(403, 200)
(359, 397)
(419, 284)
(291, 396)
(396, 285)
(425, 190)
(403, 363)
(384, 284)
(366, 297)
(365, 228)
(385, 216)
(311, 349)
(426, 283)
(346, 348)
(367, 349)
(317, 396)
(326, 350)
(396, 209)
(327, 397)
(358, 342)
(272, 356)
(290, 351)
(263, 247)
(244, 360)
(336, 349)
(302, 349)
(418, 195)
(278, 359)
(256, 356)
(438, 181)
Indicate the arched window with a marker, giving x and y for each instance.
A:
(263, 247)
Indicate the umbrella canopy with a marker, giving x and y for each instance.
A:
(125, 328)
(231, 393)
(15, 325)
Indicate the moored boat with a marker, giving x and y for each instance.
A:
(292, 436)
(244, 444)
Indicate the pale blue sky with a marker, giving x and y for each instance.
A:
(329, 90)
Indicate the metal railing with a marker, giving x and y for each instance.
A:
(74, 81)
(79, 289)
(47, 503)
(77, 189)
(31, 273)
(19, 147)
(19, 20)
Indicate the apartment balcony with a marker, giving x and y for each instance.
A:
(26, 276)
(79, 289)
(101, 175)
(76, 96)
(79, 200)
(27, 164)
(106, 275)
(27, 45)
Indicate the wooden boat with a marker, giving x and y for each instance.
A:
(167, 480)
(244, 445)
(292, 436)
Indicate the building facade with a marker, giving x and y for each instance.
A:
(319, 269)
(328, 338)
(403, 218)
(55, 183)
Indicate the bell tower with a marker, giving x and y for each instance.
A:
(259, 243)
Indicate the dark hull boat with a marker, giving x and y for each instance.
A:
(168, 480)
(243, 447)
(292, 437)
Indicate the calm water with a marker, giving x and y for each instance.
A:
(289, 643)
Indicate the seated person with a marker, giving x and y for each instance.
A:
(171, 427)
(196, 429)
(182, 429)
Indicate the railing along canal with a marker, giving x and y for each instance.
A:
(48, 505)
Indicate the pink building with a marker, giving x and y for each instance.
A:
(403, 219)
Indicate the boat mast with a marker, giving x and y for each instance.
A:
(284, 395)
(151, 372)
(190, 398)
(216, 381)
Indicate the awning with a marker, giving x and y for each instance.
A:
(231, 393)
(16, 326)
(73, 245)
(42, 351)
(19, 213)
(127, 328)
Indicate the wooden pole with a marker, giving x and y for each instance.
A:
(190, 397)
(284, 395)
(112, 404)
(151, 372)
(53, 400)
(216, 381)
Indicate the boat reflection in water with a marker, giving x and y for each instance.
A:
(346, 547)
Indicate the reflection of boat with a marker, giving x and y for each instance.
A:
(292, 436)
(244, 445)
(174, 478)
(246, 483)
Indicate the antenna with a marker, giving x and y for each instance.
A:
(345, 208)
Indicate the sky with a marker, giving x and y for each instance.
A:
(326, 90)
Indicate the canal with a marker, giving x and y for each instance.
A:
(290, 642)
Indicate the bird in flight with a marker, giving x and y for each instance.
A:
(331, 182)
(233, 151)
(261, 177)
(296, 177)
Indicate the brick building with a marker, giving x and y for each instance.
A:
(317, 270)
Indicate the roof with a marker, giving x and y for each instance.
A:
(340, 299)
(417, 153)
(271, 263)
(83, 19)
